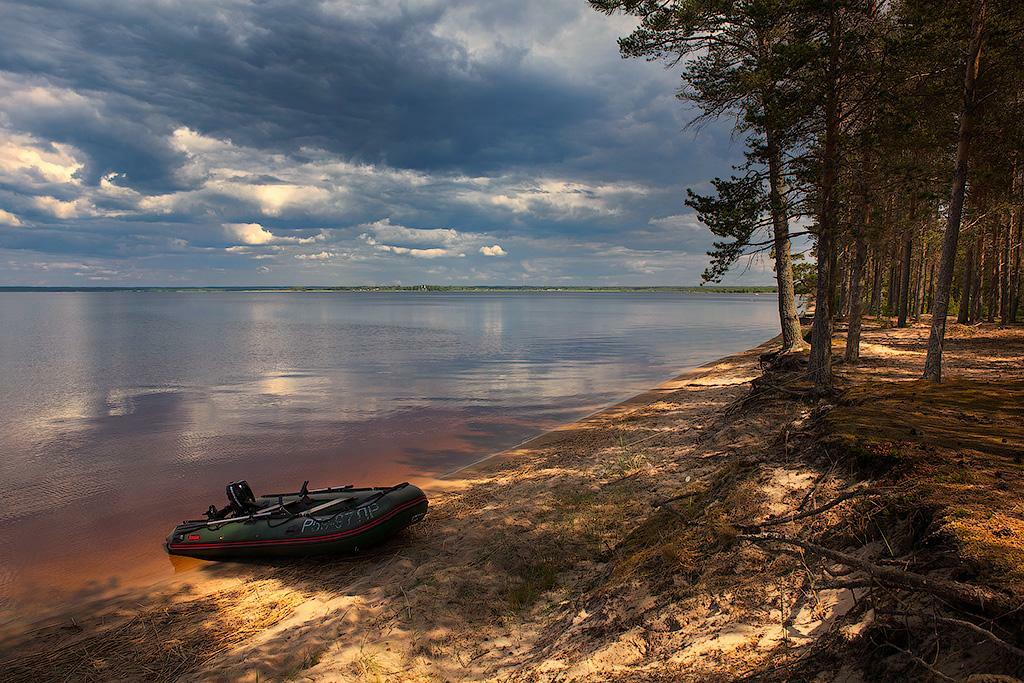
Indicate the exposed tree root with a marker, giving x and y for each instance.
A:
(982, 600)
(985, 633)
(920, 662)
(849, 495)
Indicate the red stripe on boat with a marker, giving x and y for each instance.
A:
(298, 541)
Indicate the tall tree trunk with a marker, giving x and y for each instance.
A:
(842, 283)
(908, 246)
(876, 284)
(933, 361)
(860, 255)
(792, 335)
(979, 270)
(964, 314)
(893, 293)
(1016, 221)
(1004, 275)
(1015, 282)
(819, 366)
(992, 300)
(931, 287)
(919, 286)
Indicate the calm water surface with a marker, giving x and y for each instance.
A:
(123, 413)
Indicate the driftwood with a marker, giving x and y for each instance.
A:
(978, 598)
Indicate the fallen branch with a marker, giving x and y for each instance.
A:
(856, 493)
(664, 503)
(982, 600)
(814, 489)
(850, 585)
(620, 479)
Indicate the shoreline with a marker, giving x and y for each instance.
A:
(412, 289)
(88, 596)
(610, 411)
(608, 548)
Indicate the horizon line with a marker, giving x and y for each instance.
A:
(420, 287)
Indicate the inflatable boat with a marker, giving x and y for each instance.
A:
(337, 520)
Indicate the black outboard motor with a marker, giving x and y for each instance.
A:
(241, 498)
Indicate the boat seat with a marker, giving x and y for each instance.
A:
(325, 506)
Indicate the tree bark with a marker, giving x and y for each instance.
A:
(919, 286)
(964, 314)
(992, 300)
(979, 269)
(908, 247)
(1016, 221)
(931, 288)
(937, 336)
(792, 335)
(819, 366)
(860, 255)
(892, 296)
(1004, 275)
(842, 283)
(876, 284)
(1015, 277)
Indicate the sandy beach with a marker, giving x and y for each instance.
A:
(608, 549)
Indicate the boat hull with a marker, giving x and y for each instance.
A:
(363, 518)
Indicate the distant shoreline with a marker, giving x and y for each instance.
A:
(439, 289)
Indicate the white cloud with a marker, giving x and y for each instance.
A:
(272, 199)
(28, 161)
(59, 208)
(254, 234)
(431, 253)
(555, 197)
(8, 218)
(319, 256)
(319, 183)
(544, 35)
(387, 231)
(425, 242)
(248, 233)
(679, 222)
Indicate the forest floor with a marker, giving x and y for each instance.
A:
(727, 525)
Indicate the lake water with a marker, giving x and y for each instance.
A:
(125, 412)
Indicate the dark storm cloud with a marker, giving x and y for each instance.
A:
(141, 131)
(381, 89)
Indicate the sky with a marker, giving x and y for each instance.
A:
(344, 142)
